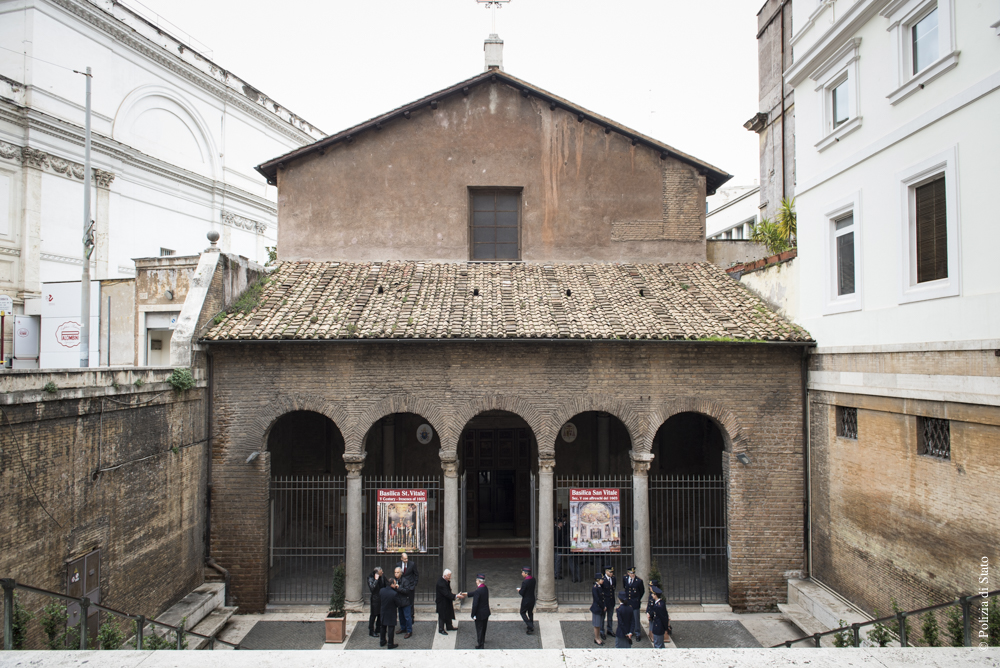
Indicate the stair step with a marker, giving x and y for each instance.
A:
(211, 625)
(804, 621)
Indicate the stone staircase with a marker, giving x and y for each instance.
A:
(203, 611)
(815, 609)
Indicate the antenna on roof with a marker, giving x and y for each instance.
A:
(494, 5)
(493, 46)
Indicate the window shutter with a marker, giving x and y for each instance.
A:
(932, 232)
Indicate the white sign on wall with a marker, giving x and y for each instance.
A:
(59, 346)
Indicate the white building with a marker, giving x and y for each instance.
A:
(732, 212)
(175, 139)
(897, 164)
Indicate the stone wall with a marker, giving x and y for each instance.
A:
(753, 392)
(889, 522)
(121, 469)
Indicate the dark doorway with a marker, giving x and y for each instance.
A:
(498, 467)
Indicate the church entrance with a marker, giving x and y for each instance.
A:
(496, 454)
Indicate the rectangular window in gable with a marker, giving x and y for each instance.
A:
(495, 224)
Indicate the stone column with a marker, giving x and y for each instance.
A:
(451, 519)
(640, 514)
(603, 447)
(354, 596)
(389, 446)
(31, 223)
(546, 537)
(102, 223)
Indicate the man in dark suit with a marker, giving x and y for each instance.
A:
(444, 603)
(408, 578)
(481, 610)
(527, 592)
(376, 582)
(634, 589)
(608, 587)
(389, 604)
(623, 639)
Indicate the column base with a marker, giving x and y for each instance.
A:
(547, 606)
(354, 606)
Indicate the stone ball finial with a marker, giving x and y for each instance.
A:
(213, 236)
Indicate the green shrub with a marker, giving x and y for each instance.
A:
(20, 623)
(110, 635)
(54, 625)
(843, 638)
(993, 622)
(50, 387)
(906, 624)
(930, 633)
(955, 628)
(768, 234)
(337, 599)
(181, 379)
(139, 382)
(879, 634)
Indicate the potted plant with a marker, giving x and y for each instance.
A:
(336, 620)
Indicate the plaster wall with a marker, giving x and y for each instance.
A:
(778, 285)
(403, 192)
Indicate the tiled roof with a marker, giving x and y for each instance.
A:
(425, 300)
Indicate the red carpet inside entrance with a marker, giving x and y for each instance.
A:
(501, 553)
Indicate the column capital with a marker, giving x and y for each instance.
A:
(546, 464)
(450, 467)
(640, 468)
(354, 464)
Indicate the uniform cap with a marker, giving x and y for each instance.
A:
(526, 569)
(480, 576)
(598, 576)
(622, 596)
(657, 591)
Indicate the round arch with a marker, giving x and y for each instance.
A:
(263, 420)
(603, 403)
(541, 428)
(733, 436)
(405, 403)
(170, 105)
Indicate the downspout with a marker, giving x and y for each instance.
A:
(806, 447)
(782, 19)
(209, 560)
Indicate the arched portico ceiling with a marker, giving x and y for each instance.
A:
(406, 403)
(732, 431)
(542, 428)
(255, 438)
(604, 403)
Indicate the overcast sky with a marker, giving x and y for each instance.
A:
(681, 71)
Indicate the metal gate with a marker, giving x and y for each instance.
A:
(308, 531)
(586, 564)
(429, 563)
(688, 537)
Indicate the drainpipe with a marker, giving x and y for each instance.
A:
(209, 560)
(806, 447)
(782, 19)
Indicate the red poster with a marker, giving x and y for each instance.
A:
(595, 520)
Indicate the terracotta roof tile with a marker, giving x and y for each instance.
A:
(392, 300)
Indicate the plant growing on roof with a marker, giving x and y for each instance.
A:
(181, 379)
(768, 234)
(787, 221)
(51, 387)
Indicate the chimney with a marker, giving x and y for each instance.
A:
(494, 52)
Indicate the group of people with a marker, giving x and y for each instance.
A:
(392, 598)
(629, 629)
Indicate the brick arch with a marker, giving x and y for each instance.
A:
(733, 435)
(540, 425)
(404, 403)
(604, 403)
(264, 419)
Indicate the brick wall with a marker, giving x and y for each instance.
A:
(887, 521)
(753, 392)
(146, 513)
(683, 202)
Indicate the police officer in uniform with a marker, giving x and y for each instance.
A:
(659, 620)
(608, 587)
(597, 608)
(634, 588)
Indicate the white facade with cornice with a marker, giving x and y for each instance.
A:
(175, 139)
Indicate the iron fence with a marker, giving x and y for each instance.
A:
(688, 543)
(575, 570)
(308, 535)
(430, 563)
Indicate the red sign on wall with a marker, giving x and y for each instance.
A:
(593, 495)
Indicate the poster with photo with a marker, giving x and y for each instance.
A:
(595, 520)
(402, 520)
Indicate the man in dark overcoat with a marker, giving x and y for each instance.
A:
(408, 577)
(527, 592)
(481, 610)
(375, 584)
(634, 589)
(444, 602)
(389, 605)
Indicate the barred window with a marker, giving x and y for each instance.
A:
(934, 437)
(847, 422)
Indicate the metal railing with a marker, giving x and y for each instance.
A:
(9, 585)
(900, 620)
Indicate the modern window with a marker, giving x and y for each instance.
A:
(839, 98)
(924, 33)
(495, 224)
(838, 88)
(930, 229)
(934, 437)
(166, 251)
(847, 422)
(844, 234)
(843, 284)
